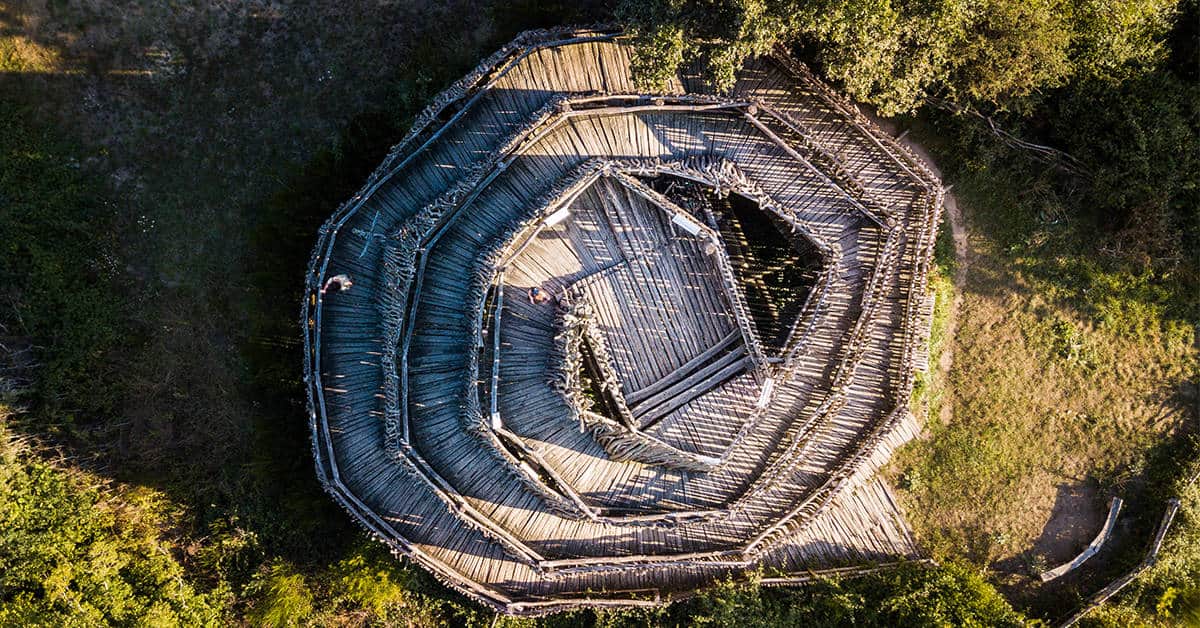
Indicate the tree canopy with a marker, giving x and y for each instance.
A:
(72, 554)
(894, 53)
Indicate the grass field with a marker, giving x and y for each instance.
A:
(1073, 381)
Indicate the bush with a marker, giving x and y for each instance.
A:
(368, 584)
(73, 555)
(281, 597)
(910, 595)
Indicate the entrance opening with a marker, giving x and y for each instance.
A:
(591, 381)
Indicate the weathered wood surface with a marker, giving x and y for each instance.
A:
(410, 369)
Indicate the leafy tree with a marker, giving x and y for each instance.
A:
(70, 555)
(1141, 140)
(894, 53)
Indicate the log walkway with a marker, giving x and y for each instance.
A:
(637, 438)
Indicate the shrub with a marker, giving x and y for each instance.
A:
(72, 554)
(281, 597)
(58, 270)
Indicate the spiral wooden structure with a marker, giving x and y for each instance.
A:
(738, 307)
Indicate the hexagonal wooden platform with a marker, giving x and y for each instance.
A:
(731, 306)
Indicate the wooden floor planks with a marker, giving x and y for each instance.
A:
(472, 506)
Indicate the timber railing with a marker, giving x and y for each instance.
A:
(543, 123)
(404, 262)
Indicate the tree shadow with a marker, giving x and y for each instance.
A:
(168, 107)
(1145, 491)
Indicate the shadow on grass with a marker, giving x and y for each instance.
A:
(281, 501)
(306, 525)
(1145, 490)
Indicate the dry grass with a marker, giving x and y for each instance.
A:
(1065, 378)
(19, 54)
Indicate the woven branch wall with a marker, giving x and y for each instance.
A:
(545, 383)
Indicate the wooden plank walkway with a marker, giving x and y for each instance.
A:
(521, 509)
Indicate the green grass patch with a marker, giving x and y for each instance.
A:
(929, 387)
(74, 553)
(61, 273)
